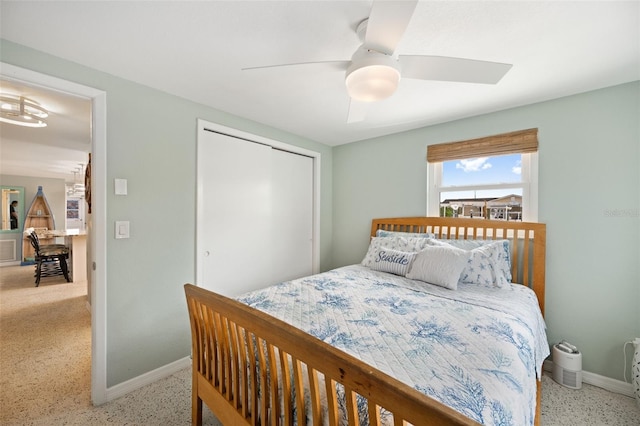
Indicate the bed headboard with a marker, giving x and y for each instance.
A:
(528, 241)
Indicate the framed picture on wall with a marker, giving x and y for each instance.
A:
(73, 209)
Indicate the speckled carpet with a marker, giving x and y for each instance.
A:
(45, 368)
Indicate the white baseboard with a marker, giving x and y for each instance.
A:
(130, 385)
(607, 383)
(114, 392)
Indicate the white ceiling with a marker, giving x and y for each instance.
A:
(196, 50)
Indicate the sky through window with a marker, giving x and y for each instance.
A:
(482, 171)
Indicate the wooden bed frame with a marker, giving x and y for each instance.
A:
(225, 331)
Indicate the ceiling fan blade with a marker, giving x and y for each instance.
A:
(387, 23)
(357, 111)
(452, 69)
(339, 64)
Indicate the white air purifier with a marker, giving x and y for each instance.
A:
(567, 366)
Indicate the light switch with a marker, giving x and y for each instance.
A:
(120, 186)
(122, 229)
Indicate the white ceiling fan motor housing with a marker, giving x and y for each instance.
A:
(372, 76)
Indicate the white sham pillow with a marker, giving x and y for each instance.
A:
(393, 261)
(489, 264)
(439, 265)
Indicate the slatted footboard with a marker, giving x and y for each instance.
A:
(248, 368)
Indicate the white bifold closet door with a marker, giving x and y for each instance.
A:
(256, 224)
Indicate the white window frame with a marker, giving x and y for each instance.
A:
(529, 185)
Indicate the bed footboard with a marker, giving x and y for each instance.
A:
(248, 368)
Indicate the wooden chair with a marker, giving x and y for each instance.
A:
(46, 246)
(51, 259)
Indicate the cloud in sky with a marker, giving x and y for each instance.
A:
(517, 169)
(473, 164)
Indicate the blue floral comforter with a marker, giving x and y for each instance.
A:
(475, 349)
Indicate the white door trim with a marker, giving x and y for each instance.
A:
(204, 126)
(97, 237)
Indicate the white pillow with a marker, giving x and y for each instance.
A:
(439, 265)
(412, 244)
(489, 264)
(393, 261)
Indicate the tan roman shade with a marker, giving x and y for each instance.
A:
(521, 141)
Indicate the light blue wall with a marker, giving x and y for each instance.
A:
(151, 142)
(589, 189)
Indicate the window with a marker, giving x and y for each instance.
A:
(494, 177)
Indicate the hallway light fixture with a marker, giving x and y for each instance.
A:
(22, 111)
(76, 189)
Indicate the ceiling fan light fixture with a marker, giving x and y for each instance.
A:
(22, 111)
(373, 77)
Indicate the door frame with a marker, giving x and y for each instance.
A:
(97, 236)
(204, 126)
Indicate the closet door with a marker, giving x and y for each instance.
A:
(292, 215)
(234, 231)
(255, 214)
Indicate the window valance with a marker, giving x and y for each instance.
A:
(521, 141)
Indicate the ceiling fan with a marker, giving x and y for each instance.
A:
(375, 69)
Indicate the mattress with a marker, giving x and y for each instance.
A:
(478, 350)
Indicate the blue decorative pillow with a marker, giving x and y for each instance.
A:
(410, 245)
(393, 261)
(489, 263)
(383, 233)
